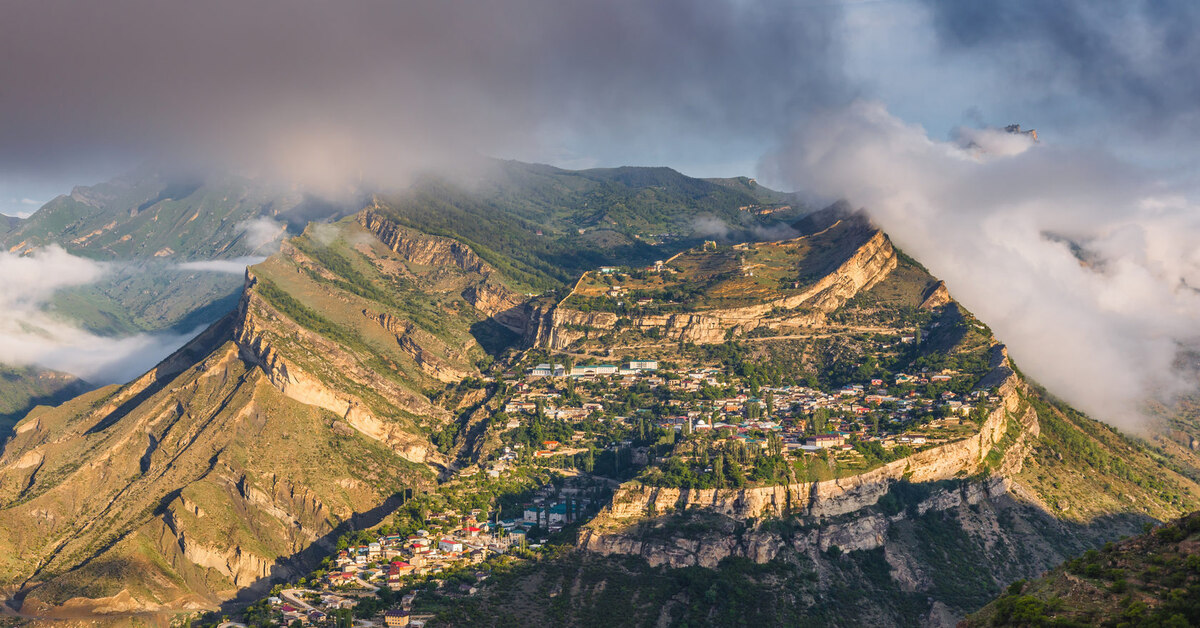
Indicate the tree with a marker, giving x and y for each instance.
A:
(589, 460)
(775, 445)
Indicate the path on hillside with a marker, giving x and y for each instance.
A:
(824, 332)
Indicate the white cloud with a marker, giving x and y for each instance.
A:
(1104, 335)
(235, 266)
(262, 233)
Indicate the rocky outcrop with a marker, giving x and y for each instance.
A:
(488, 294)
(253, 340)
(615, 529)
(762, 544)
(426, 360)
(501, 304)
(935, 296)
(420, 248)
(869, 264)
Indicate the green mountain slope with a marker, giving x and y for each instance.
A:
(242, 456)
(22, 388)
(543, 225)
(1149, 580)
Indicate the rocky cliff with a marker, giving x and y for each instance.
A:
(864, 267)
(258, 323)
(488, 295)
(614, 530)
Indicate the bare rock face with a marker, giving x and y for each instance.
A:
(407, 339)
(869, 264)
(761, 544)
(936, 296)
(614, 530)
(421, 249)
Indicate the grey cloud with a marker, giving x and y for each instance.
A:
(1123, 63)
(1105, 336)
(234, 266)
(328, 91)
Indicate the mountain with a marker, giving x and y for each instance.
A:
(1149, 580)
(297, 417)
(22, 388)
(863, 538)
(385, 365)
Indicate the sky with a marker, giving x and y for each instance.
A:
(892, 105)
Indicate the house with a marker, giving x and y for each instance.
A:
(395, 617)
(593, 370)
(448, 546)
(340, 578)
(825, 441)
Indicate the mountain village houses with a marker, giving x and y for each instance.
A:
(859, 411)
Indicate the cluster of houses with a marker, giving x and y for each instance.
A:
(388, 561)
(633, 367)
(787, 410)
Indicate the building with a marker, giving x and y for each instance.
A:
(593, 369)
(825, 441)
(643, 365)
(548, 370)
(395, 617)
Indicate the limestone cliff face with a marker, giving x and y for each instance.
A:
(423, 250)
(869, 264)
(257, 323)
(488, 294)
(863, 532)
(614, 529)
(407, 339)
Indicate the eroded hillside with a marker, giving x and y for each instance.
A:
(234, 462)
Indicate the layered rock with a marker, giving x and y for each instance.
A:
(869, 264)
(253, 333)
(616, 529)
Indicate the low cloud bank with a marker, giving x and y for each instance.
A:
(30, 335)
(1086, 266)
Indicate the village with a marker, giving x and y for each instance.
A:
(569, 428)
(907, 409)
(379, 575)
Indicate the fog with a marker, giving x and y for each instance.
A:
(994, 214)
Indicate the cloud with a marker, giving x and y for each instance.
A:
(1103, 335)
(1130, 63)
(713, 227)
(332, 93)
(262, 233)
(235, 266)
(31, 336)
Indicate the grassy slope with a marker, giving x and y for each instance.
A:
(621, 210)
(22, 388)
(1149, 580)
